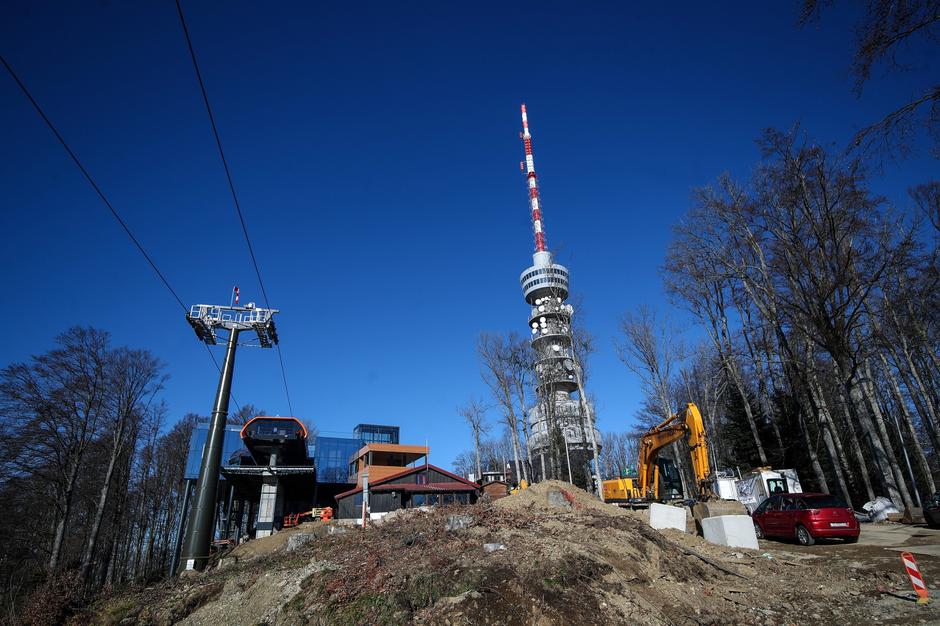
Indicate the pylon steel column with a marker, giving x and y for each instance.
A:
(207, 320)
(199, 533)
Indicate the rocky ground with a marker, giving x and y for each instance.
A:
(550, 555)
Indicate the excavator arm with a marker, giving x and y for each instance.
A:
(687, 422)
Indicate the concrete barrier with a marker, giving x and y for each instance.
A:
(665, 516)
(736, 531)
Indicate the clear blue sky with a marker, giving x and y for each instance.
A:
(375, 150)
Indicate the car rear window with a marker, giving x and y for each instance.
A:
(824, 502)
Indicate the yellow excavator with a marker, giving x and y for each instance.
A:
(645, 488)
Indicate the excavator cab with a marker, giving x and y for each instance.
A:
(668, 483)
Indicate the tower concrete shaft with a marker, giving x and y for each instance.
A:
(557, 417)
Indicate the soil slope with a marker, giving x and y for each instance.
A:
(562, 558)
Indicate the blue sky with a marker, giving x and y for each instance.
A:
(375, 151)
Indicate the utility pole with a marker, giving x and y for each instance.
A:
(365, 498)
(209, 322)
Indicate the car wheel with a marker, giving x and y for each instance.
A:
(803, 536)
(851, 539)
(759, 531)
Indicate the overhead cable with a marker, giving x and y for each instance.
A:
(231, 186)
(104, 198)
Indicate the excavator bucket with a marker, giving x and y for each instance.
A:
(714, 508)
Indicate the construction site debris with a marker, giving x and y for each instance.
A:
(297, 540)
(880, 508)
(458, 522)
(557, 499)
(734, 531)
(589, 563)
(493, 547)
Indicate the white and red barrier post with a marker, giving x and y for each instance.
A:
(916, 579)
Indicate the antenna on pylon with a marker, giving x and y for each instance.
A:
(533, 185)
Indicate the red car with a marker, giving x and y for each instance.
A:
(805, 516)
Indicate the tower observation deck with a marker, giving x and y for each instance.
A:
(557, 416)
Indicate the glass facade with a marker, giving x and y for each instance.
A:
(431, 499)
(375, 433)
(332, 458)
(231, 444)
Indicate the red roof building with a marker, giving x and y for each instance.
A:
(424, 485)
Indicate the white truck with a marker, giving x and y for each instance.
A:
(757, 486)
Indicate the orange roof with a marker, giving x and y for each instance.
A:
(390, 447)
(271, 417)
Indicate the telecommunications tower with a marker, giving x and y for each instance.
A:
(561, 426)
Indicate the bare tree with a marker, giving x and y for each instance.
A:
(502, 378)
(651, 350)
(822, 307)
(244, 413)
(56, 402)
(881, 35)
(133, 380)
(475, 414)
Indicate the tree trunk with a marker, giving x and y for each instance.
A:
(514, 437)
(840, 461)
(59, 537)
(739, 385)
(476, 441)
(762, 398)
(930, 413)
(588, 414)
(722, 340)
(520, 394)
(855, 408)
(813, 456)
(856, 448)
(867, 388)
(88, 556)
(918, 450)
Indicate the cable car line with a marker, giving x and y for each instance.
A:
(231, 186)
(102, 196)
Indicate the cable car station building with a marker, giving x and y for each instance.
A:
(271, 469)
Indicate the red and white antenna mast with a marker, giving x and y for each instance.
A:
(533, 185)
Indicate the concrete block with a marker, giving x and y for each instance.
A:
(557, 498)
(665, 516)
(736, 531)
(914, 516)
(298, 539)
(458, 522)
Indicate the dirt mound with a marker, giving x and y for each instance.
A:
(549, 555)
(276, 542)
(542, 496)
